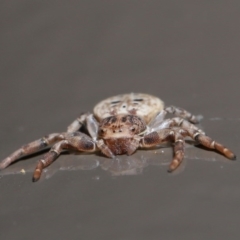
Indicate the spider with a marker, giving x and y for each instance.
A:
(120, 125)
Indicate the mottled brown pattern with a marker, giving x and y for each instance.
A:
(209, 143)
(80, 142)
(178, 154)
(47, 160)
(120, 146)
(120, 125)
(152, 139)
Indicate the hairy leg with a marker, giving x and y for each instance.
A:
(88, 120)
(31, 148)
(211, 144)
(178, 149)
(75, 141)
(183, 114)
(105, 149)
(184, 124)
(159, 123)
(77, 124)
(175, 136)
(199, 136)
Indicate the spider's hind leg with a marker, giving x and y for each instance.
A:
(183, 114)
(31, 148)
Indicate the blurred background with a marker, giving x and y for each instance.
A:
(59, 58)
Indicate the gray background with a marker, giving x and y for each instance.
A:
(59, 58)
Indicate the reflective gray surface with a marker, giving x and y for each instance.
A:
(59, 59)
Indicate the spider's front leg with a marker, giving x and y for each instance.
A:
(199, 136)
(31, 148)
(177, 135)
(167, 135)
(211, 144)
(72, 141)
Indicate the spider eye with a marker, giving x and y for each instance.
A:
(133, 129)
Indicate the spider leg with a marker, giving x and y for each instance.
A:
(167, 135)
(184, 124)
(90, 122)
(157, 124)
(75, 141)
(92, 126)
(105, 149)
(76, 124)
(199, 136)
(178, 152)
(183, 114)
(154, 138)
(31, 148)
(211, 144)
(177, 135)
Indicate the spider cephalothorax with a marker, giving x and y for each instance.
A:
(121, 133)
(120, 125)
